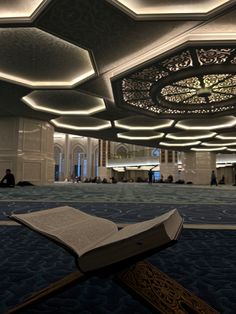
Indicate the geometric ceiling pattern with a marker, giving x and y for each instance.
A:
(194, 81)
(91, 68)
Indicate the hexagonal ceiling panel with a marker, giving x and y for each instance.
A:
(219, 143)
(179, 143)
(227, 136)
(142, 123)
(64, 102)
(177, 82)
(34, 58)
(20, 10)
(140, 135)
(204, 124)
(190, 135)
(167, 9)
(81, 123)
(215, 149)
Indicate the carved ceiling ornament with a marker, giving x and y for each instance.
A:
(194, 81)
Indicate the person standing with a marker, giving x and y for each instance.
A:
(213, 178)
(8, 181)
(150, 176)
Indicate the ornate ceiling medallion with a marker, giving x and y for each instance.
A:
(194, 81)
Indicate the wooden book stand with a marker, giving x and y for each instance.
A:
(143, 280)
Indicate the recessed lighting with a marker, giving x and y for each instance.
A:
(100, 105)
(15, 11)
(225, 122)
(154, 127)
(105, 125)
(120, 135)
(180, 144)
(226, 137)
(194, 137)
(44, 52)
(218, 144)
(208, 149)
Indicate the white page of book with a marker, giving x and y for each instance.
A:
(70, 226)
(138, 228)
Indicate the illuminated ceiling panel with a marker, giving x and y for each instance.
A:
(64, 102)
(166, 9)
(208, 149)
(195, 81)
(218, 143)
(227, 136)
(32, 57)
(81, 123)
(178, 144)
(15, 11)
(140, 135)
(142, 123)
(190, 135)
(204, 124)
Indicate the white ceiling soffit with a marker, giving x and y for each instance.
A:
(34, 58)
(140, 135)
(64, 102)
(219, 143)
(178, 144)
(227, 136)
(142, 123)
(207, 124)
(17, 11)
(81, 123)
(196, 149)
(190, 135)
(169, 9)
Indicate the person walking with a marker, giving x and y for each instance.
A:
(213, 178)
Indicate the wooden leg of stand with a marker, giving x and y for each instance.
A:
(159, 291)
(52, 288)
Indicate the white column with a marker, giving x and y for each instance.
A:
(26, 147)
(197, 166)
(103, 171)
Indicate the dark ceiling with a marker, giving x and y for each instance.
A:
(113, 39)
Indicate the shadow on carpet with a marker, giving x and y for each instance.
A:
(202, 261)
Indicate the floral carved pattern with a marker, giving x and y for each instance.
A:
(161, 292)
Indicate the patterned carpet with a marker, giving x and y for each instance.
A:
(203, 261)
(127, 202)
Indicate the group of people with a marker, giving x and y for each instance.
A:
(9, 180)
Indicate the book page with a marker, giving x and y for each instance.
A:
(70, 226)
(133, 240)
(136, 228)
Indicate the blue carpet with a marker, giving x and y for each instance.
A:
(131, 212)
(127, 202)
(202, 261)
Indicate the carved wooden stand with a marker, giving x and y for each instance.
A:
(157, 290)
(161, 292)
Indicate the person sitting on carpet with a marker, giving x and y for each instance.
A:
(8, 181)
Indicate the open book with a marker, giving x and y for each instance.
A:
(96, 241)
